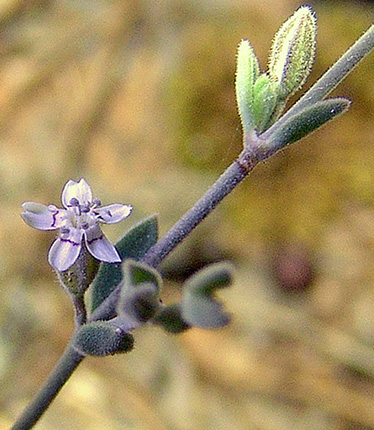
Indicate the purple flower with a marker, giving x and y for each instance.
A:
(80, 220)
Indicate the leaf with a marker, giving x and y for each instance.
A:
(138, 303)
(134, 244)
(199, 307)
(247, 71)
(101, 338)
(139, 299)
(264, 102)
(170, 319)
(135, 273)
(305, 122)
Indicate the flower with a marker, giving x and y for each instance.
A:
(78, 222)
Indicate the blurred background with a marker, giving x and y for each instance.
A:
(138, 97)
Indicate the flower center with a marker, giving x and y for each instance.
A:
(82, 216)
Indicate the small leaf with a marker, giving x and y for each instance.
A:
(138, 303)
(101, 338)
(139, 298)
(264, 102)
(199, 307)
(170, 319)
(305, 122)
(247, 71)
(135, 273)
(134, 244)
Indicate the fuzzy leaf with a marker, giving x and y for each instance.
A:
(139, 303)
(199, 307)
(170, 319)
(306, 121)
(247, 71)
(136, 273)
(101, 338)
(134, 244)
(139, 299)
(264, 102)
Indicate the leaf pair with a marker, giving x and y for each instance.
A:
(139, 303)
(198, 307)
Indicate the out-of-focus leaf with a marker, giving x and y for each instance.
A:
(139, 299)
(170, 319)
(135, 273)
(199, 307)
(139, 303)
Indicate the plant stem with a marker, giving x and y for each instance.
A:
(232, 176)
(80, 316)
(68, 362)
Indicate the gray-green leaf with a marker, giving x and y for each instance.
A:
(199, 307)
(134, 244)
(305, 122)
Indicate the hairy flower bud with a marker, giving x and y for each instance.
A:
(292, 54)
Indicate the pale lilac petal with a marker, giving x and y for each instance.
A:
(42, 217)
(76, 190)
(65, 250)
(100, 247)
(113, 213)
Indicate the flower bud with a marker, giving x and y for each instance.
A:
(292, 54)
(102, 338)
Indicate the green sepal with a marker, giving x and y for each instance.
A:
(306, 121)
(199, 307)
(247, 71)
(134, 244)
(102, 338)
(264, 102)
(170, 319)
(80, 275)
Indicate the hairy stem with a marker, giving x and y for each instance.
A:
(80, 310)
(66, 365)
(232, 176)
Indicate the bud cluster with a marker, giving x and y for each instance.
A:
(261, 98)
